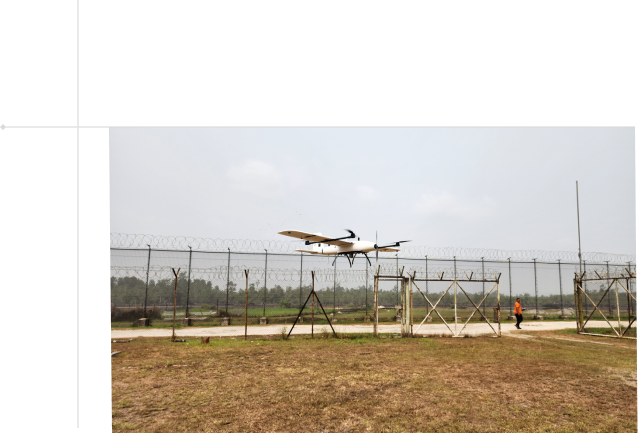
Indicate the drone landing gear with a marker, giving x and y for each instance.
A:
(351, 257)
(368, 259)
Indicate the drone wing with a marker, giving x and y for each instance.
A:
(312, 237)
(389, 250)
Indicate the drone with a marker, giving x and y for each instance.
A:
(327, 246)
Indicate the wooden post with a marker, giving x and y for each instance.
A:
(246, 311)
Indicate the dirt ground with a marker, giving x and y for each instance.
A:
(427, 329)
(527, 381)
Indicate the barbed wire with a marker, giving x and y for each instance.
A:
(182, 243)
(604, 273)
(256, 274)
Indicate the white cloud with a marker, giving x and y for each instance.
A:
(256, 177)
(445, 204)
(367, 193)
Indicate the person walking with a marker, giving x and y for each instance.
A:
(518, 312)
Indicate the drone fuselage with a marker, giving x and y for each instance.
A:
(355, 247)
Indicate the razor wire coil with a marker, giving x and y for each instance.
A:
(183, 243)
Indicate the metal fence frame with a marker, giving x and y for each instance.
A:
(455, 283)
(611, 281)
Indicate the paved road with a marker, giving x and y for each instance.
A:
(429, 329)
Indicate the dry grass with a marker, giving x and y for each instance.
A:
(480, 384)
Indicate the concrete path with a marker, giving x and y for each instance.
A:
(426, 329)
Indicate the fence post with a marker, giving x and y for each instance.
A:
(509, 265)
(300, 279)
(366, 289)
(483, 270)
(560, 282)
(227, 281)
(535, 289)
(608, 297)
(576, 303)
(498, 303)
(175, 301)
(630, 291)
(630, 303)
(583, 287)
(375, 312)
(405, 307)
(148, 267)
(427, 306)
(246, 308)
(334, 290)
(455, 314)
(265, 281)
(188, 283)
(397, 279)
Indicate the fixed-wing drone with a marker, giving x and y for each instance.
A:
(339, 246)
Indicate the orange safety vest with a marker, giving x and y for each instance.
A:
(517, 308)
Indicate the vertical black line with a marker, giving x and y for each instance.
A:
(78, 207)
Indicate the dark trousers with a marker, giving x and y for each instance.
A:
(519, 319)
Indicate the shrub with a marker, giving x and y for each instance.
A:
(133, 314)
(284, 303)
(283, 332)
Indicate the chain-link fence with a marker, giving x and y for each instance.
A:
(212, 289)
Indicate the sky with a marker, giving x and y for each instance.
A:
(501, 188)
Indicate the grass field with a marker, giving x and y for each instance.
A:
(547, 382)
